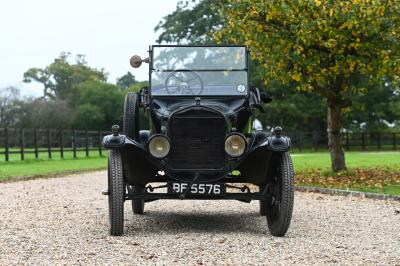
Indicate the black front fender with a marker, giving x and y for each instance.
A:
(259, 163)
(138, 164)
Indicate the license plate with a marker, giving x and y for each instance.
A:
(198, 189)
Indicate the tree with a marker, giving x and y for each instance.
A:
(374, 110)
(46, 113)
(198, 23)
(98, 105)
(89, 116)
(10, 107)
(395, 107)
(60, 77)
(322, 46)
(126, 80)
(192, 22)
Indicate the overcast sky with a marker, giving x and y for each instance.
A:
(33, 33)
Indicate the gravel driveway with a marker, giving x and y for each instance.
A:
(64, 221)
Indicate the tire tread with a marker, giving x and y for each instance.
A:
(116, 202)
(131, 116)
(280, 227)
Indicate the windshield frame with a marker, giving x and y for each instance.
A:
(246, 69)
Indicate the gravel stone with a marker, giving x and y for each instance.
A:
(64, 221)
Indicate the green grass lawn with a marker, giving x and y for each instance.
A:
(321, 160)
(302, 161)
(381, 160)
(56, 165)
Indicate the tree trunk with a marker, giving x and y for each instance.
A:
(334, 139)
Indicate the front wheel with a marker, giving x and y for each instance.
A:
(116, 190)
(279, 205)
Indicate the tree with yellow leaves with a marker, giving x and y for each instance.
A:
(320, 45)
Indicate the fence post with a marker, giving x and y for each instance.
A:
(49, 143)
(394, 141)
(87, 143)
(6, 147)
(74, 140)
(100, 144)
(35, 143)
(314, 141)
(299, 141)
(61, 144)
(363, 141)
(379, 140)
(22, 143)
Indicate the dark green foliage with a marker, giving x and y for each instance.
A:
(46, 113)
(10, 107)
(376, 109)
(61, 77)
(75, 96)
(138, 85)
(98, 106)
(126, 81)
(192, 22)
(295, 111)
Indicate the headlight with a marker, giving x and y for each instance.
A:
(159, 146)
(235, 145)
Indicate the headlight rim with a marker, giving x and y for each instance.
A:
(245, 143)
(155, 136)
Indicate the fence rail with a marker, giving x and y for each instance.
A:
(350, 141)
(47, 143)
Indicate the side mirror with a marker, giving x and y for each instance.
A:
(136, 61)
(265, 97)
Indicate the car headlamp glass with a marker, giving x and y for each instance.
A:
(235, 145)
(159, 146)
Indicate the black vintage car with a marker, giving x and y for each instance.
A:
(200, 144)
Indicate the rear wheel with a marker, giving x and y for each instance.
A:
(262, 207)
(262, 202)
(116, 194)
(138, 205)
(279, 205)
(131, 116)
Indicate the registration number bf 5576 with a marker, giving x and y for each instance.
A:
(197, 188)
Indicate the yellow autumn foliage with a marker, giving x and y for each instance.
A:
(318, 44)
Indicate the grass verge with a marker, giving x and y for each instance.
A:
(43, 167)
(378, 179)
(322, 160)
(377, 172)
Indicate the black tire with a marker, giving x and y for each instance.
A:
(263, 211)
(138, 205)
(262, 202)
(131, 116)
(116, 190)
(279, 206)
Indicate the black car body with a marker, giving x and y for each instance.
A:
(200, 107)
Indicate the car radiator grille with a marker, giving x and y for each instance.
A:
(197, 141)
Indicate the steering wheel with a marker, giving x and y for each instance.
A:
(184, 82)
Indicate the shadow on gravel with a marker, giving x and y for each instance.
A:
(174, 223)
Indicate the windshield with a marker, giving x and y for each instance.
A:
(199, 71)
